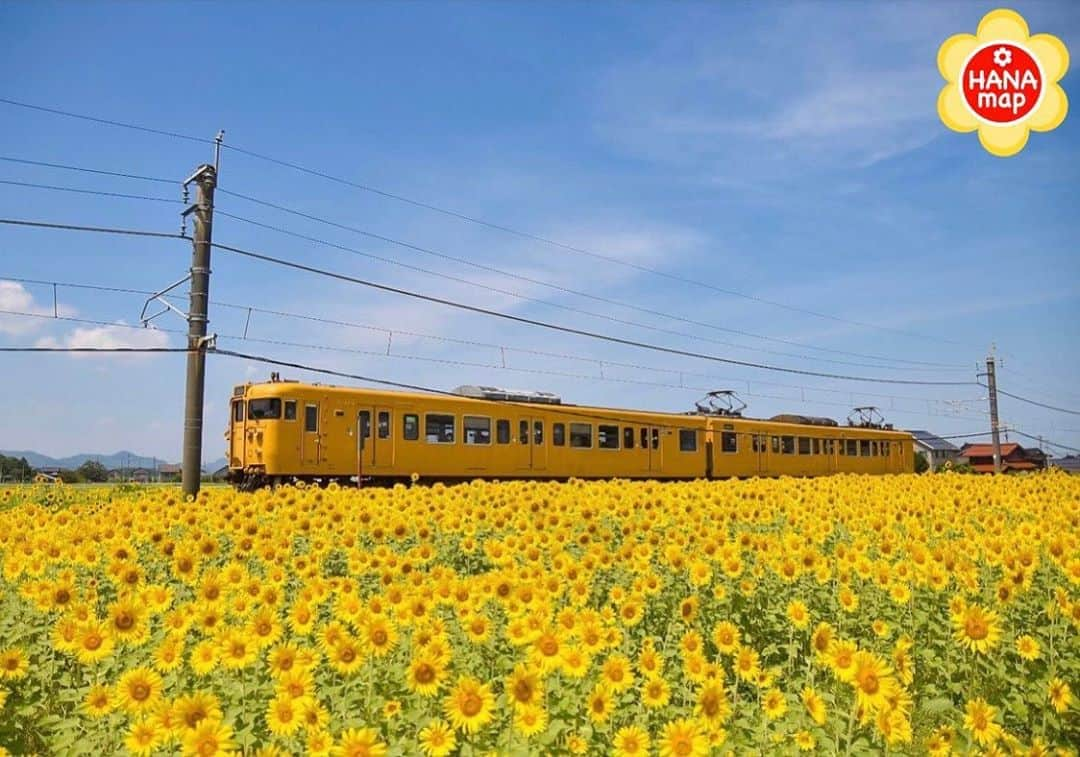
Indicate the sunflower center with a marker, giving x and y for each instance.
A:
(976, 628)
(471, 705)
(682, 745)
(549, 646)
(523, 691)
(347, 654)
(868, 682)
(92, 641)
(379, 637)
(710, 704)
(124, 620)
(140, 692)
(425, 673)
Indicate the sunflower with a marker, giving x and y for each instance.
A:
(814, 704)
(798, 614)
(712, 705)
(1060, 695)
(774, 704)
(437, 739)
(574, 662)
(347, 656)
(191, 709)
(470, 705)
(209, 738)
(13, 664)
(283, 716)
(93, 642)
(821, 639)
(805, 741)
(683, 738)
(425, 675)
(977, 629)
(237, 650)
(688, 609)
(599, 704)
(143, 737)
(98, 701)
(204, 657)
(631, 741)
(872, 680)
(530, 720)
(979, 722)
(655, 693)
(726, 636)
(1027, 647)
(747, 664)
(524, 687)
(841, 659)
(616, 674)
(138, 690)
(297, 684)
(380, 636)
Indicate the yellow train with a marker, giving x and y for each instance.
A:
(285, 430)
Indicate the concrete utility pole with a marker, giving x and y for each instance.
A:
(205, 177)
(995, 431)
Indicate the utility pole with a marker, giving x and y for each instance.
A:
(205, 179)
(995, 431)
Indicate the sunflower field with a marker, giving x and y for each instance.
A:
(844, 615)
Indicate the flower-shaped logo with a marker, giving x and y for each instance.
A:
(1003, 82)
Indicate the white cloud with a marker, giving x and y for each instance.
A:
(15, 297)
(119, 335)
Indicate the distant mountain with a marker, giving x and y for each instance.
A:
(121, 459)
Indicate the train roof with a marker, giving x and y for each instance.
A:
(552, 403)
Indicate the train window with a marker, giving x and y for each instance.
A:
(439, 429)
(538, 432)
(804, 445)
(873, 448)
(311, 418)
(687, 440)
(644, 438)
(581, 435)
(776, 445)
(656, 438)
(477, 430)
(384, 424)
(842, 446)
(364, 418)
(757, 442)
(502, 431)
(864, 447)
(290, 410)
(410, 425)
(729, 441)
(628, 438)
(607, 437)
(269, 407)
(885, 449)
(558, 434)
(817, 447)
(787, 445)
(829, 445)
(852, 447)
(523, 432)
(238, 411)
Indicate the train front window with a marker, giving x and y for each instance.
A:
(439, 429)
(238, 411)
(290, 410)
(311, 418)
(267, 408)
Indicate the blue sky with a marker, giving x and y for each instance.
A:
(789, 152)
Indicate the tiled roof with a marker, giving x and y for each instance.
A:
(934, 442)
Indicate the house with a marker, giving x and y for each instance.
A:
(169, 472)
(1069, 463)
(938, 451)
(1014, 458)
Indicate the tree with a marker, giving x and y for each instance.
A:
(922, 465)
(15, 469)
(93, 471)
(69, 476)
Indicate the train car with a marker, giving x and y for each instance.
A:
(286, 430)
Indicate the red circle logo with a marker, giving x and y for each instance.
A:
(1002, 82)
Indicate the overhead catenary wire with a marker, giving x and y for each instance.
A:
(95, 229)
(104, 350)
(548, 303)
(85, 169)
(97, 192)
(502, 348)
(567, 329)
(1036, 403)
(473, 219)
(540, 282)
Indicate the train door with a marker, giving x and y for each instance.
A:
(539, 444)
(310, 441)
(365, 444)
(656, 452)
(760, 447)
(523, 444)
(236, 433)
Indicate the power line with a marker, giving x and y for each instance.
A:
(602, 363)
(95, 349)
(98, 229)
(478, 221)
(540, 282)
(1045, 441)
(105, 121)
(567, 329)
(1036, 403)
(527, 298)
(97, 192)
(84, 169)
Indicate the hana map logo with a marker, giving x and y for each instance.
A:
(1003, 82)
